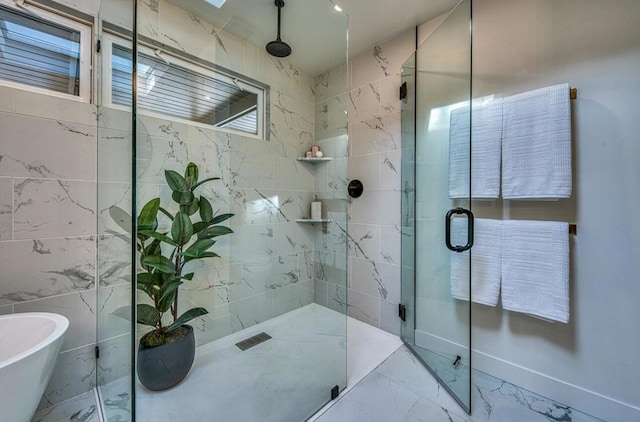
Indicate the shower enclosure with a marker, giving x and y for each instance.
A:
(486, 351)
(206, 92)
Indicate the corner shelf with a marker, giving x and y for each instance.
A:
(310, 221)
(314, 160)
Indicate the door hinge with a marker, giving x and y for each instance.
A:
(97, 352)
(98, 46)
(402, 312)
(335, 392)
(403, 91)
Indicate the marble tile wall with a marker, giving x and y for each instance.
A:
(374, 157)
(266, 265)
(48, 224)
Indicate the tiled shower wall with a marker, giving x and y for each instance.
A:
(374, 158)
(48, 223)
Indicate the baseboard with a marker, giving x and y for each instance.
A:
(576, 397)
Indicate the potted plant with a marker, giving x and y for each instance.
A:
(166, 353)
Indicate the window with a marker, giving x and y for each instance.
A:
(45, 52)
(174, 87)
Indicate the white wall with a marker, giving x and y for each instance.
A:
(595, 46)
(593, 362)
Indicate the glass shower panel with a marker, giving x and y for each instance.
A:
(272, 345)
(114, 244)
(437, 329)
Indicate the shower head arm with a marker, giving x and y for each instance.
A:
(279, 5)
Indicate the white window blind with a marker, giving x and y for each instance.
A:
(168, 88)
(40, 53)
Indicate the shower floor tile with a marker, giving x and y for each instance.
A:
(310, 327)
(384, 396)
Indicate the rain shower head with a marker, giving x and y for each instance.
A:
(278, 48)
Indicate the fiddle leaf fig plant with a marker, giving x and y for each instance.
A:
(163, 254)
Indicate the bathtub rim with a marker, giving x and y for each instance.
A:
(61, 325)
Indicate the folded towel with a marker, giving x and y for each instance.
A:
(485, 151)
(535, 268)
(536, 144)
(485, 261)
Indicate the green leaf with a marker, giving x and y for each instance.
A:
(186, 317)
(160, 263)
(175, 181)
(160, 236)
(216, 231)
(198, 248)
(123, 312)
(205, 181)
(184, 198)
(193, 208)
(121, 218)
(206, 211)
(202, 256)
(168, 295)
(199, 226)
(147, 219)
(167, 213)
(148, 315)
(220, 218)
(191, 175)
(181, 229)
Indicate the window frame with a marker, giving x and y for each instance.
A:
(108, 39)
(86, 52)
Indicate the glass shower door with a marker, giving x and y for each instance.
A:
(437, 223)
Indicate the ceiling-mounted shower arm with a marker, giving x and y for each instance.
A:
(278, 48)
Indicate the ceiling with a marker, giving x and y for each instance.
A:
(313, 29)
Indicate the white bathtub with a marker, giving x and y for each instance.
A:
(29, 347)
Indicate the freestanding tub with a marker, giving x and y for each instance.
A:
(29, 347)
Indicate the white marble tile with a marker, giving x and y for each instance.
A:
(116, 398)
(292, 297)
(148, 18)
(364, 307)
(285, 141)
(7, 99)
(380, 396)
(110, 299)
(111, 118)
(390, 168)
(6, 309)
(114, 155)
(375, 134)
(281, 74)
(53, 208)
(251, 171)
(252, 310)
(331, 267)
(382, 60)
(73, 375)
(120, 13)
(229, 51)
(264, 206)
(120, 195)
(292, 112)
(82, 408)
(35, 147)
(337, 298)
(51, 107)
(114, 260)
(331, 117)
(375, 279)
(390, 94)
(366, 168)
(364, 241)
(292, 174)
(251, 242)
(364, 102)
(346, 411)
(427, 411)
(186, 32)
(331, 83)
(115, 358)
(390, 247)
(6, 208)
(35, 269)
(80, 310)
(389, 320)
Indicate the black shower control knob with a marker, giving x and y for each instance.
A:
(355, 188)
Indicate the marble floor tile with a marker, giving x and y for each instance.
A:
(81, 408)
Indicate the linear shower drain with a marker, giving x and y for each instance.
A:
(253, 341)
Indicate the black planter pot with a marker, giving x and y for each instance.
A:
(164, 366)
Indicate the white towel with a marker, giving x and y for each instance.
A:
(536, 144)
(485, 261)
(535, 268)
(485, 151)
